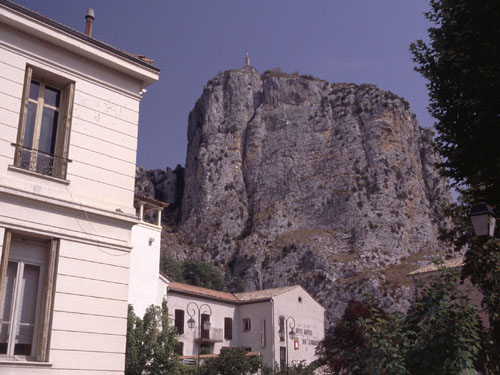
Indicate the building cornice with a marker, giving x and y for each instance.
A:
(51, 31)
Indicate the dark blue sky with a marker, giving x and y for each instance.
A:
(360, 41)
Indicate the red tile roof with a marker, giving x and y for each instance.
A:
(433, 267)
(258, 295)
(203, 292)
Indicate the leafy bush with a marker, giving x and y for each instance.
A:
(151, 343)
(232, 361)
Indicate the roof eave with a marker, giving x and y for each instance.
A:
(58, 34)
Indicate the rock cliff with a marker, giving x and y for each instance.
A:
(291, 179)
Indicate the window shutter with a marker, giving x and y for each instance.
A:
(4, 263)
(228, 328)
(24, 110)
(27, 316)
(63, 135)
(47, 301)
(179, 321)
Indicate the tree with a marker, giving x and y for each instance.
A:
(198, 273)
(151, 343)
(232, 361)
(461, 66)
(440, 335)
(366, 340)
(443, 328)
(460, 63)
(135, 357)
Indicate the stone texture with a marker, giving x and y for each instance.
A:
(291, 179)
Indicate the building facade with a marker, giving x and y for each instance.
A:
(258, 321)
(69, 109)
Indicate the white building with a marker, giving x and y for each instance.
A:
(69, 109)
(249, 320)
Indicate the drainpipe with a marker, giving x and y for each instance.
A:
(273, 333)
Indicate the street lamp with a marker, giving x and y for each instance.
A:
(483, 219)
(282, 334)
(191, 323)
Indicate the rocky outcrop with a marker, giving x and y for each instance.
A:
(291, 179)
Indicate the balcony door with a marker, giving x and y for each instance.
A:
(205, 333)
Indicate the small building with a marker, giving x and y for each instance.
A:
(251, 320)
(69, 112)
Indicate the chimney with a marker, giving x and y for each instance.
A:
(89, 21)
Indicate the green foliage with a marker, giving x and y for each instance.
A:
(151, 343)
(135, 359)
(198, 273)
(439, 336)
(460, 63)
(482, 268)
(202, 274)
(443, 328)
(232, 361)
(366, 340)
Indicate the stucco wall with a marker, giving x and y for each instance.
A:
(258, 313)
(104, 129)
(144, 267)
(308, 315)
(220, 310)
(91, 212)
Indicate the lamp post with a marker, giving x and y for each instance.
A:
(483, 220)
(282, 333)
(191, 309)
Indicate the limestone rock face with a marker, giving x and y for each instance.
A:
(291, 179)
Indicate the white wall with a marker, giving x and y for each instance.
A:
(308, 314)
(144, 267)
(104, 129)
(257, 312)
(220, 310)
(91, 212)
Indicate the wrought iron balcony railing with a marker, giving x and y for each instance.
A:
(208, 335)
(40, 162)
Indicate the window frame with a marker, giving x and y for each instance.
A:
(41, 331)
(247, 327)
(179, 322)
(228, 328)
(62, 136)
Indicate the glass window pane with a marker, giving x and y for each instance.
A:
(30, 125)
(48, 131)
(52, 96)
(25, 324)
(34, 89)
(6, 306)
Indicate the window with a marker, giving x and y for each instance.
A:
(228, 328)
(44, 125)
(247, 324)
(179, 321)
(282, 328)
(27, 272)
(179, 348)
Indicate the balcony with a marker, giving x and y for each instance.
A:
(208, 335)
(40, 162)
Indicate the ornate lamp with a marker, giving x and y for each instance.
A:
(483, 219)
(292, 334)
(191, 323)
